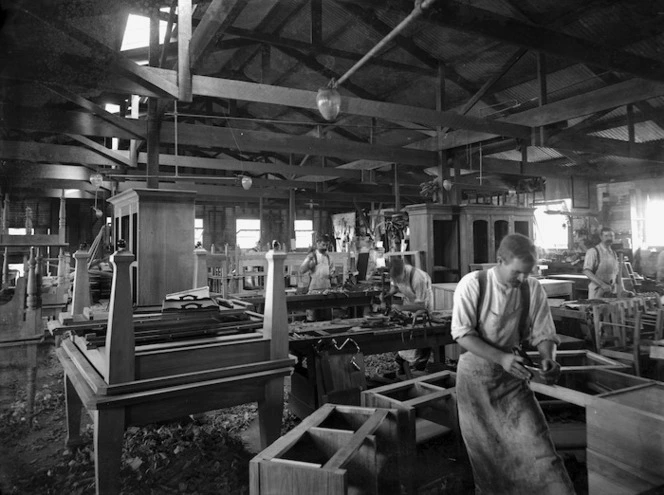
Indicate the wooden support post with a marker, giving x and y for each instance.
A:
(31, 293)
(184, 39)
(62, 268)
(200, 268)
(275, 328)
(120, 342)
(108, 437)
(62, 219)
(81, 296)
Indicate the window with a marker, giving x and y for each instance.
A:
(653, 228)
(137, 32)
(198, 231)
(551, 225)
(304, 230)
(248, 232)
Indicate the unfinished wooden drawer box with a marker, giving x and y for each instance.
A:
(337, 450)
(429, 401)
(626, 440)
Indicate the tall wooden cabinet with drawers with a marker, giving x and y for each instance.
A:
(158, 228)
(454, 237)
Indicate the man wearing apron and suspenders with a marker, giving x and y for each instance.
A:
(602, 267)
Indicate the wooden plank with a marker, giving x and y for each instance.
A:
(616, 476)
(176, 361)
(341, 458)
(205, 375)
(566, 394)
(263, 93)
(210, 26)
(627, 435)
(94, 379)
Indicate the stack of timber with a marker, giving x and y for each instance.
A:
(122, 382)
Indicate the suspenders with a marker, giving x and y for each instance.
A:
(524, 289)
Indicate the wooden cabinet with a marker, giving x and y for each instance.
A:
(454, 237)
(158, 227)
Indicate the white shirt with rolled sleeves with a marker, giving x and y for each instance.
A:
(500, 312)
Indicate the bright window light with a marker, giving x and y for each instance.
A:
(247, 232)
(304, 230)
(112, 108)
(654, 231)
(198, 231)
(16, 231)
(137, 32)
(550, 228)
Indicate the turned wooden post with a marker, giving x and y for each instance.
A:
(200, 268)
(81, 297)
(62, 269)
(32, 301)
(62, 220)
(120, 342)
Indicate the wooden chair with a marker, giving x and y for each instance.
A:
(631, 334)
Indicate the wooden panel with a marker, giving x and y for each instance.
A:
(628, 436)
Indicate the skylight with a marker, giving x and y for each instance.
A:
(137, 32)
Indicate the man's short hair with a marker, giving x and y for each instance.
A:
(517, 246)
(323, 238)
(396, 267)
(606, 229)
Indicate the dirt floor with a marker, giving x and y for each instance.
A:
(206, 455)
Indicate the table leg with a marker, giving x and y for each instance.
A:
(108, 439)
(74, 407)
(270, 411)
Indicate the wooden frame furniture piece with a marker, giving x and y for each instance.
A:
(308, 340)
(624, 428)
(225, 275)
(158, 227)
(338, 450)
(454, 237)
(429, 401)
(121, 382)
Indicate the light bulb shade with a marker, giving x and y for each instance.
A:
(96, 179)
(246, 182)
(329, 103)
(447, 184)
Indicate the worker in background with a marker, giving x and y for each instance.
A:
(318, 265)
(502, 424)
(602, 266)
(415, 287)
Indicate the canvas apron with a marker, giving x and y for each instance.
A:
(505, 433)
(607, 270)
(320, 281)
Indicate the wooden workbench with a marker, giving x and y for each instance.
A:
(354, 299)
(308, 339)
(120, 383)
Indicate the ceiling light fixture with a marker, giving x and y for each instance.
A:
(246, 182)
(328, 99)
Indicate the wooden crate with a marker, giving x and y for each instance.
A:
(429, 401)
(626, 440)
(338, 450)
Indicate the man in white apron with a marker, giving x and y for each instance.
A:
(602, 267)
(502, 424)
(318, 265)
